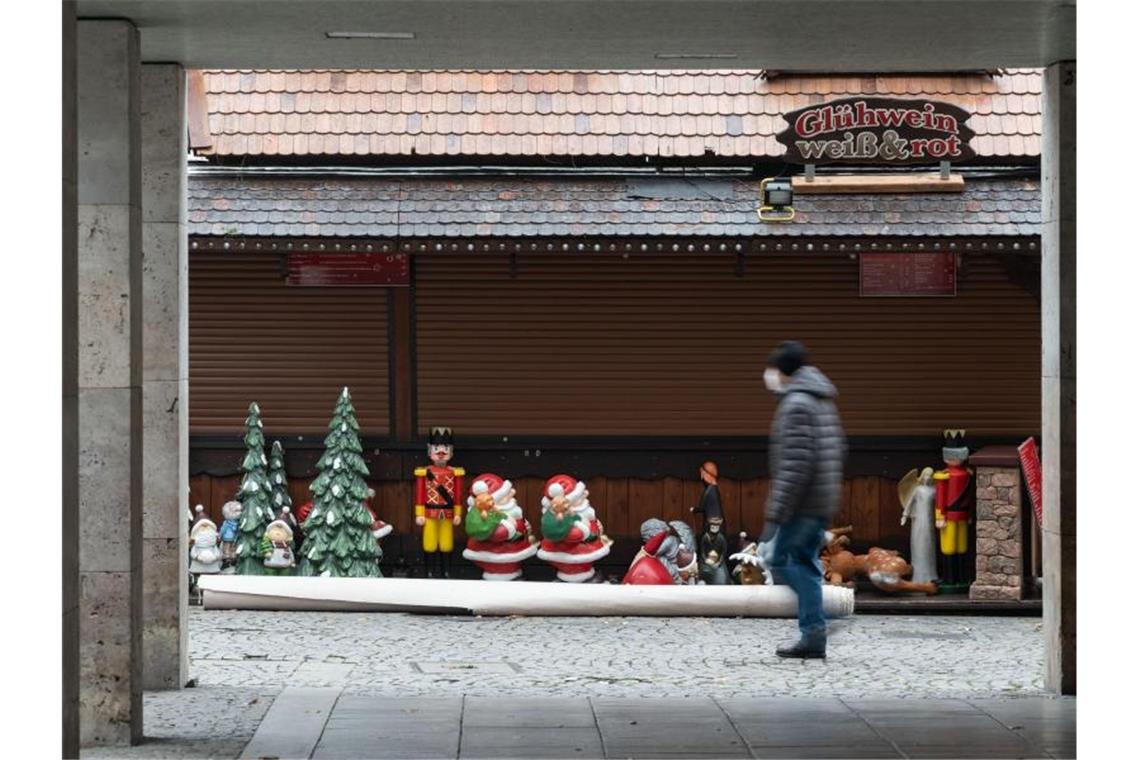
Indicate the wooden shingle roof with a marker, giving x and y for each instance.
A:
(545, 207)
(488, 115)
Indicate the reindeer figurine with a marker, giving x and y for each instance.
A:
(884, 567)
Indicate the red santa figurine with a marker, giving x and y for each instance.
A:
(498, 534)
(572, 537)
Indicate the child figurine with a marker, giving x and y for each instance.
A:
(277, 546)
(205, 557)
(231, 511)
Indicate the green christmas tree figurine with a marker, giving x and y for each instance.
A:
(254, 495)
(277, 480)
(338, 537)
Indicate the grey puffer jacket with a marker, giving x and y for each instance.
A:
(807, 449)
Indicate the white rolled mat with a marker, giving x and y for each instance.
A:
(479, 597)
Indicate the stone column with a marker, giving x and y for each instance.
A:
(165, 377)
(1059, 375)
(110, 374)
(1000, 573)
(70, 383)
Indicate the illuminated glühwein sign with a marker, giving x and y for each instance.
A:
(877, 131)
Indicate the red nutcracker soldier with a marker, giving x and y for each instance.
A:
(953, 500)
(439, 488)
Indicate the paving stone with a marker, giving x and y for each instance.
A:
(726, 657)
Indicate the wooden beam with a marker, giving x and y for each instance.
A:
(197, 112)
(401, 373)
(879, 183)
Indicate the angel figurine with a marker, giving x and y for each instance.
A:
(916, 495)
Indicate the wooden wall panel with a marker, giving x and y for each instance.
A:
(201, 492)
(863, 512)
(617, 511)
(675, 345)
(291, 349)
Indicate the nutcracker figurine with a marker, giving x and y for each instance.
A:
(953, 499)
(439, 488)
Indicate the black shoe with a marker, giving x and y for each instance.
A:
(804, 651)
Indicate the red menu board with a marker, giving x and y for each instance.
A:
(348, 269)
(1031, 468)
(908, 274)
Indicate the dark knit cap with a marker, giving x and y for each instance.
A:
(788, 357)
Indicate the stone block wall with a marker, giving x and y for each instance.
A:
(998, 529)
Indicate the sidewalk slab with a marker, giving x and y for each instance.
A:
(293, 724)
(775, 727)
(1048, 723)
(363, 726)
(684, 727)
(508, 712)
(499, 742)
(941, 728)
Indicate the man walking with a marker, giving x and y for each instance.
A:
(807, 448)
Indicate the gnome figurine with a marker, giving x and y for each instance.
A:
(205, 556)
(712, 551)
(668, 555)
(277, 545)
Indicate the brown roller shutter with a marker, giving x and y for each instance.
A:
(605, 345)
(291, 349)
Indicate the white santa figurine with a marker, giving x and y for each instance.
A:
(498, 536)
(572, 536)
(205, 554)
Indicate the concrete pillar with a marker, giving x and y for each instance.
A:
(109, 388)
(165, 377)
(1059, 374)
(70, 382)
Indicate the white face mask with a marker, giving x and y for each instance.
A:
(772, 380)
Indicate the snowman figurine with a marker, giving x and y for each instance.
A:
(205, 555)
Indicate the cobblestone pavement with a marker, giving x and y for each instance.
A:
(241, 660)
(399, 654)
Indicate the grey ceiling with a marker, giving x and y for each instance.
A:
(818, 35)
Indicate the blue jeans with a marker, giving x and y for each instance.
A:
(795, 558)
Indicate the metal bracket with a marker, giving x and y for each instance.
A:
(944, 169)
(809, 172)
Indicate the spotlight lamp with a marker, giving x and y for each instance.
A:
(776, 200)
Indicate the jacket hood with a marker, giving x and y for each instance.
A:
(808, 379)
